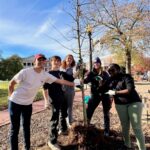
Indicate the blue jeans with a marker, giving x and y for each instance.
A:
(69, 98)
(17, 111)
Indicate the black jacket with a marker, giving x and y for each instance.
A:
(97, 81)
(121, 82)
(55, 89)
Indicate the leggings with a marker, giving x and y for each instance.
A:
(131, 113)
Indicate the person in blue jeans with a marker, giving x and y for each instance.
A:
(29, 81)
(68, 65)
(128, 105)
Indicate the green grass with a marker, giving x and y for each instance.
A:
(4, 95)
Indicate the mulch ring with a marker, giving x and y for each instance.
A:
(82, 137)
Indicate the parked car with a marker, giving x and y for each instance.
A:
(145, 76)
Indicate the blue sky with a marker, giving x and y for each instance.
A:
(28, 27)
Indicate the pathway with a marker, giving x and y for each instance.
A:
(39, 106)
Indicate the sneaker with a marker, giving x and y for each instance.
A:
(61, 132)
(124, 147)
(106, 133)
(53, 146)
(67, 121)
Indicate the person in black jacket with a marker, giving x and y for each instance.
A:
(97, 77)
(56, 94)
(128, 105)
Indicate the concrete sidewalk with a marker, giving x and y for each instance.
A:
(37, 107)
(4, 115)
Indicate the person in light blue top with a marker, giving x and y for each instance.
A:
(69, 92)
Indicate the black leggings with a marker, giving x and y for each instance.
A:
(94, 102)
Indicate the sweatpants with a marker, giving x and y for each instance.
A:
(131, 114)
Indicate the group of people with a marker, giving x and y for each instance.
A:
(58, 90)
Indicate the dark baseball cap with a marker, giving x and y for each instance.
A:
(97, 60)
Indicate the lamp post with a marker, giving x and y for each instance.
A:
(89, 31)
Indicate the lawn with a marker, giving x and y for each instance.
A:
(4, 95)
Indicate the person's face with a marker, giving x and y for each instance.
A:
(97, 65)
(40, 62)
(55, 63)
(113, 71)
(69, 60)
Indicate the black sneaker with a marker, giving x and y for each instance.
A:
(124, 147)
(106, 133)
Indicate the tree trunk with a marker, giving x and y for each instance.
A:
(81, 60)
(90, 50)
(128, 61)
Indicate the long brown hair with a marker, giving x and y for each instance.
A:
(64, 65)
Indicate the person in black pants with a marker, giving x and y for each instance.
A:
(58, 104)
(97, 77)
(29, 80)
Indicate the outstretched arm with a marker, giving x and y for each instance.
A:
(64, 82)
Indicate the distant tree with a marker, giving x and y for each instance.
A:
(9, 67)
(138, 66)
(126, 25)
(0, 55)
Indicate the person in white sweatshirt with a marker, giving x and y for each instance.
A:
(29, 81)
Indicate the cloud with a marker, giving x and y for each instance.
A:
(44, 27)
(32, 30)
(16, 34)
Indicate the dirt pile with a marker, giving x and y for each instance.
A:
(89, 138)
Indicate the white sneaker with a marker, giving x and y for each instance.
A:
(53, 146)
(68, 124)
(60, 132)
